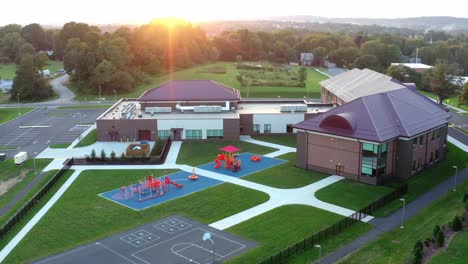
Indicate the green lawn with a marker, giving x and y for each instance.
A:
(8, 71)
(453, 101)
(286, 175)
(84, 106)
(332, 244)
(457, 252)
(285, 140)
(279, 228)
(428, 179)
(9, 171)
(60, 145)
(27, 196)
(197, 73)
(351, 194)
(200, 152)
(396, 246)
(34, 210)
(88, 139)
(81, 216)
(7, 114)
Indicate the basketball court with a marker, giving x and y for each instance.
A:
(175, 239)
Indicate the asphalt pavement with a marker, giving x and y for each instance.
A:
(42, 127)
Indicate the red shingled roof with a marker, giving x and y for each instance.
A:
(191, 90)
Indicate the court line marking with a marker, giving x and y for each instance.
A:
(194, 245)
(66, 253)
(117, 253)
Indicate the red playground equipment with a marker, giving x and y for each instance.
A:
(231, 162)
(148, 188)
(256, 158)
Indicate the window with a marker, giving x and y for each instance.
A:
(439, 131)
(164, 134)
(256, 128)
(415, 142)
(374, 159)
(214, 133)
(433, 134)
(436, 155)
(421, 140)
(266, 128)
(193, 134)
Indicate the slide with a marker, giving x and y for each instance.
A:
(218, 164)
(168, 181)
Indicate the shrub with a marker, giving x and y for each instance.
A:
(93, 154)
(440, 239)
(418, 246)
(465, 198)
(103, 155)
(112, 155)
(436, 231)
(123, 155)
(456, 224)
(418, 256)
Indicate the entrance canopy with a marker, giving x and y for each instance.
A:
(230, 149)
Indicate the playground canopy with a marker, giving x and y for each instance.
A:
(230, 149)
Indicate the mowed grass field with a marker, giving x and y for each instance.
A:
(453, 101)
(312, 88)
(282, 227)
(8, 70)
(286, 175)
(396, 246)
(7, 114)
(81, 216)
(456, 253)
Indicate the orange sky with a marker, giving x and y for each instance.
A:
(142, 11)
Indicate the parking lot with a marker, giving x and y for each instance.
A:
(43, 127)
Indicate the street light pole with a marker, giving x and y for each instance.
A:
(320, 252)
(455, 181)
(403, 213)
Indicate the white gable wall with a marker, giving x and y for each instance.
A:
(278, 121)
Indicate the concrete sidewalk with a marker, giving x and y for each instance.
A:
(281, 149)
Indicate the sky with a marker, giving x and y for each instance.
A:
(58, 12)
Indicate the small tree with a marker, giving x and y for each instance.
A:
(103, 155)
(463, 97)
(456, 224)
(436, 231)
(123, 155)
(443, 81)
(112, 155)
(417, 256)
(93, 154)
(440, 239)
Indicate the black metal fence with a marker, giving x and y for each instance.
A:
(324, 234)
(22, 212)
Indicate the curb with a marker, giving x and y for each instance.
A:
(35, 108)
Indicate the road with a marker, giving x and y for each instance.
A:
(65, 94)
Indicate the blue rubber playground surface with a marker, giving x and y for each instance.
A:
(180, 177)
(247, 166)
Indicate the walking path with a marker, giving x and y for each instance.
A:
(281, 149)
(382, 225)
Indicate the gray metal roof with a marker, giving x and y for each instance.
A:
(191, 90)
(380, 117)
(357, 83)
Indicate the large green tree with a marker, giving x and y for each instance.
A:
(443, 82)
(10, 45)
(405, 74)
(36, 36)
(29, 83)
(463, 97)
(344, 57)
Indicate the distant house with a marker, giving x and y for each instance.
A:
(418, 67)
(307, 59)
(356, 83)
(375, 139)
(407, 59)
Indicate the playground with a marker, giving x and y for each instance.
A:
(151, 191)
(173, 239)
(249, 163)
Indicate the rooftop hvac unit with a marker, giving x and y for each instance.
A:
(158, 109)
(207, 109)
(293, 108)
